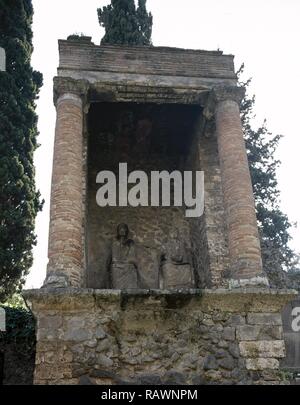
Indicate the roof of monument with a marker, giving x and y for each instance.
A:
(82, 55)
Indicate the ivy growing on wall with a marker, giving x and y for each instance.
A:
(20, 331)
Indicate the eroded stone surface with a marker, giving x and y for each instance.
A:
(262, 364)
(263, 348)
(155, 337)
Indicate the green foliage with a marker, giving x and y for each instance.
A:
(273, 223)
(286, 375)
(19, 200)
(77, 37)
(20, 331)
(15, 301)
(126, 24)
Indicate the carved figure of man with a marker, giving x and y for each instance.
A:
(177, 252)
(124, 272)
(177, 271)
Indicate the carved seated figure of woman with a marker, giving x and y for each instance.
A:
(123, 268)
(176, 269)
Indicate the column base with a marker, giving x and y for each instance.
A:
(56, 281)
(258, 281)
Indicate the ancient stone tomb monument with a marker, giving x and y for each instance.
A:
(146, 294)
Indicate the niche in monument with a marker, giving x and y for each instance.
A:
(141, 247)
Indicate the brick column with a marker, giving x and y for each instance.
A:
(65, 250)
(243, 237)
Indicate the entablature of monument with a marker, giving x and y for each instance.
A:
(141, 74)
(128, 92)
(151, 80)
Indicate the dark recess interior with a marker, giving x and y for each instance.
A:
(143, 134)
(147, 137)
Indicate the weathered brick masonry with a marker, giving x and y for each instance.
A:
(243, 239)
(65, 236)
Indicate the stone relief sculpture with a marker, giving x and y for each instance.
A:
(176, 269)
(123, 267)
(133, 265)
(148, 258)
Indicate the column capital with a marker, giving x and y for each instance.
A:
(68, 86)
(221, 93)
(226, 93)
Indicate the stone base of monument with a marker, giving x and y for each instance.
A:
(177, 276)
(158, 336)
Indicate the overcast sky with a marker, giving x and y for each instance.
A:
(264, 34)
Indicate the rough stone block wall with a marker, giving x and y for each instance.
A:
(208, 233)
(198, 234)
(158, 337)
(215, 224)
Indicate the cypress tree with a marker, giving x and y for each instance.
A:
(19, 200)
(126, 24)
